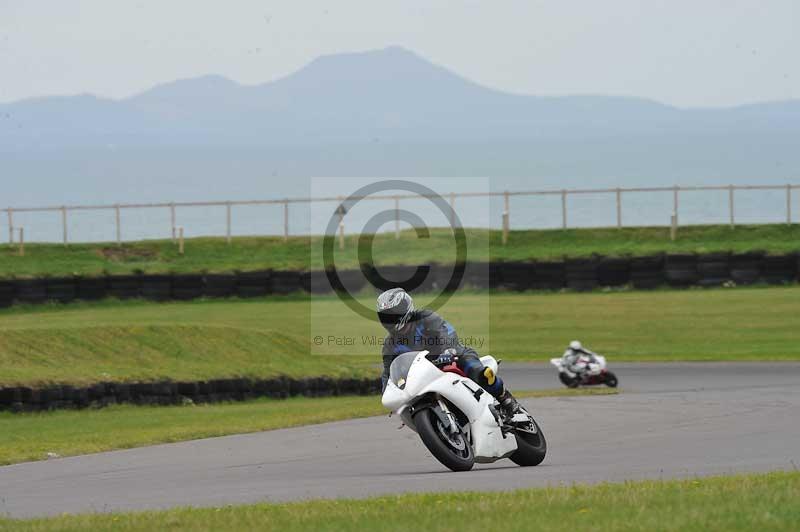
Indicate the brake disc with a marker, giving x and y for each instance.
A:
(459, 444)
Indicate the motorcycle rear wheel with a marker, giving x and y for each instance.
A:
(438, 441)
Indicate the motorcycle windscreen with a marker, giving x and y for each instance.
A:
(398, 371)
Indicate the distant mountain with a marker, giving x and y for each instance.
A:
(387, 96)
(373, 112)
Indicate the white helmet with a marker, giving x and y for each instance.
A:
(575, 345)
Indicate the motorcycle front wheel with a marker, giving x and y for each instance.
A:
(568, 382)
(452, 450)
(611, 380)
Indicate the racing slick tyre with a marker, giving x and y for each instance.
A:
(531, 446)
(611, 380)
(566, 381)
(452, 450)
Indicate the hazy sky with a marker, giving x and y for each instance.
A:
(686, 53)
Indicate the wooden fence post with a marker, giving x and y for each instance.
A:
(64, 224)
(180, 240)
(119, 229)
(286, 220)
(21, 241)
(172, 219)
(10, 225)
(675, 202)
(228, 221)
(506, 217)
(396, 218)
(673, 230)
(341, 210)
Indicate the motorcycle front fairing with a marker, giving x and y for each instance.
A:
(562, 368)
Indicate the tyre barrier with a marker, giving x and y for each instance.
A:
(219, 285)
(31, 291)
(285, 282)
(53, 397)
(482, 275)
(123, 286)
(253, 284)
(187, 286)
(91, 288)
(746, 267)
(387, 277)
(439, 277)
(316, 283)
(549, 276)
(714, 269)
(156, 287)
(62, 289)
(780, 269)
(647, 272)
(681, 270)
(676, 270)
(613, 272)
(582, 274)
(518, 275)
(7, 293)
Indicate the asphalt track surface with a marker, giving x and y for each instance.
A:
(671, 420)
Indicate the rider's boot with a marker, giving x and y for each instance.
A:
(508, 404)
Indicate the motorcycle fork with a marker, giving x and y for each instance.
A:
(452, 424)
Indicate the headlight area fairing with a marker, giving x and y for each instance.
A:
(393, 397)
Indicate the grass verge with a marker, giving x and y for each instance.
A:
(28, 437)
(134, 340)
(253, 253)
(729, 503)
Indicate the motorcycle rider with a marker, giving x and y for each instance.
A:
(574, 353)
(413, 329)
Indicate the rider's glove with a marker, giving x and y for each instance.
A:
(447, 357)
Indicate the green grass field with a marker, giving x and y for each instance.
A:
(136, 340)
(741, 502)
(28, 437)
(253, 253)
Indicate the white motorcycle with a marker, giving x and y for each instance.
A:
(588, 373)
(458, 421)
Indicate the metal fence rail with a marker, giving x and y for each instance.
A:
(617, 193)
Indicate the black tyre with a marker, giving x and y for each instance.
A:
(611, 380)
(531, 446)
(566, 381)
(452, 450)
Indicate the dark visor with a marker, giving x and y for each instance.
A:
(389, 319)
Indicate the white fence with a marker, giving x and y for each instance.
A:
(619, 197)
